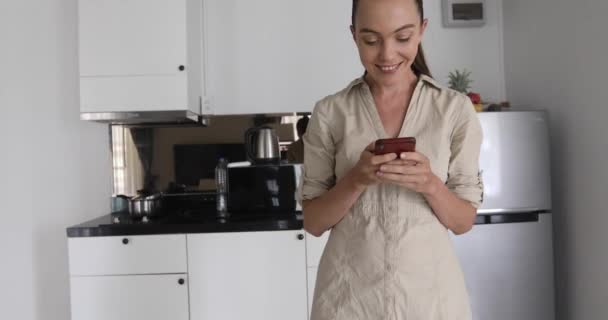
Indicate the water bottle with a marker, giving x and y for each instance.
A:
(221, 182)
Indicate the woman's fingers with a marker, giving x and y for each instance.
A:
(402, 162)
(402, 169)
(370, 147)
(414, 156)
(383, 158)
(405, 180)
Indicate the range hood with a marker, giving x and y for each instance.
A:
(179, 117)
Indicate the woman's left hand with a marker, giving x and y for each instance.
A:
(412, 170)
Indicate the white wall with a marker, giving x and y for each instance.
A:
(555, 58)
(478, 50)
(54, 169)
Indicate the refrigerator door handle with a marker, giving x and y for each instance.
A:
(510, 211)
(507, 218)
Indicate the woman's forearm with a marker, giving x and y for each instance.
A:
(454, 213)
(322, 213)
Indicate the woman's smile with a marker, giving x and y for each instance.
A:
(389, 68)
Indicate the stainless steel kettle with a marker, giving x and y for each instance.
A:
(262, 145)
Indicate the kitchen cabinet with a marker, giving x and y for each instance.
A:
(129, 277)
(231, 275)
(247, 275)
(134, 297)
(140, 55)
(314, 250)
(312, 279)
(277, 56)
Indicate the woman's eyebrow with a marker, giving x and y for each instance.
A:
(407, 26)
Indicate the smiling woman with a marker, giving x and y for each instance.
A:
(389, 255)
(408, 36)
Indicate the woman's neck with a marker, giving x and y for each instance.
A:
(398, 88)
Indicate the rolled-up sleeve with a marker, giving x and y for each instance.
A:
(464, 178)
(318, 170)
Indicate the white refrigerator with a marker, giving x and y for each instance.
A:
(507, 258)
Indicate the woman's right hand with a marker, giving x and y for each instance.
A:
(365, 172)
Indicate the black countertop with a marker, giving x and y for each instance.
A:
(121, 224)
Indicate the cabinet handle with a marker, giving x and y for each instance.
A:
(181, 281)
(125, 241)
(300, 236)
(181, 68)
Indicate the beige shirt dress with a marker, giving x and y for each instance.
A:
(390, 257)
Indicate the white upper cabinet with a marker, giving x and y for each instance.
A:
(140, 55)
(275, 56)
(133, 37)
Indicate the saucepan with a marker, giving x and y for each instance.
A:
(144, 205)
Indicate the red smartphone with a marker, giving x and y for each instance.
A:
(395, 145)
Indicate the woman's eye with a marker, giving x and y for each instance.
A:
(370, 41)
(403, 39)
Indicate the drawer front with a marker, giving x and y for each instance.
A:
(135, 297)
(127, 255)
(314, 248)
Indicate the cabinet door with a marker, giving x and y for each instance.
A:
(133, 37)
(275, 56)
(315, 247)
(247, 275)
(133, 55)
(142, 297)
(312, 281)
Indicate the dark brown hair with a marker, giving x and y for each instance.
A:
(419, 66)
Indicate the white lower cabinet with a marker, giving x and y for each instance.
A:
(314, 250)
(133, 297)
(247, 275)
(312, 278)
(210, 276)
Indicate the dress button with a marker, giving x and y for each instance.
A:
(388, 267)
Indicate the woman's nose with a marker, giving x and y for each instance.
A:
(387, 50)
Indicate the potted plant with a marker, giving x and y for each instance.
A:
(461, 82)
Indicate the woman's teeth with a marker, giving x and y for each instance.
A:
(389, 68)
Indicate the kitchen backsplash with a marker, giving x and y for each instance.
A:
(159, 158)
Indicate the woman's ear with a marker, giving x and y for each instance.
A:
(425, 22)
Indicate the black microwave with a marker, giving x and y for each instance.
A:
(262, 189)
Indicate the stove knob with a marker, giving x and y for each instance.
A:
(116, 220)
(144, 219)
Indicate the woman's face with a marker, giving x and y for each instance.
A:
(387, 34)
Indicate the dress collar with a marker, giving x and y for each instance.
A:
(361, 81)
